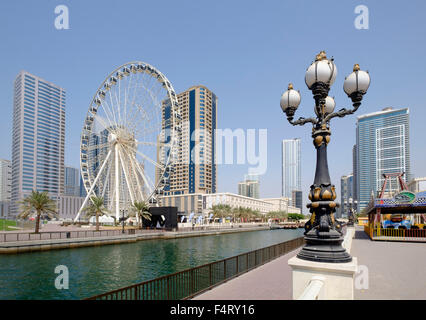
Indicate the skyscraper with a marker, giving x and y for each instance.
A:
(38, 138)
(354, 179)
(72, 182)
(195, 166)
(297, 199)
(249, 187)
(346, 195)
(382, 147)
(5, 180)
(291, 168)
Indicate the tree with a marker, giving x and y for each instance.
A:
(40, 203)
(96, 208)
(140, 209)
(221, 210)
(296, 216)
(276, 215)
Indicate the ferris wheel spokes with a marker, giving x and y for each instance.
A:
(93, 186)
(125, 132)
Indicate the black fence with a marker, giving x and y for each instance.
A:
(188, 283)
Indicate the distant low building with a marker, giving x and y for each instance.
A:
(68, 206)
(282, 204)
(417, 184)
(202, 203)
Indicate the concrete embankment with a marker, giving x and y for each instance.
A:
(42, 245)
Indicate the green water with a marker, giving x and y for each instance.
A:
(95, 270)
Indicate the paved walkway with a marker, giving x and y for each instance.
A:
(271, 281)
(397, 270)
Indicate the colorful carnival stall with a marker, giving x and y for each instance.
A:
(399, 218)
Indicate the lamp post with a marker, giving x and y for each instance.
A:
(323, 233)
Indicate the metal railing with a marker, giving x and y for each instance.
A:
(396, 234)
(11, 236)
(188, 283)
(52, 235)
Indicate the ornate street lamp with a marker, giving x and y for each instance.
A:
(323, 233)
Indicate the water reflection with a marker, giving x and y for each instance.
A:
(95, 270)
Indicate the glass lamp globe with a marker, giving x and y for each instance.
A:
(290, 98)
(357, 81)
(321, 70)
(330, 104)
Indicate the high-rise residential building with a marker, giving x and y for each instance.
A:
(354, 179)
(291, 167)
(297, 199)
(83, 192)
(5, 180)
(72, 182)
(382, 147)
(195, 164)
(249, 187)
(38, 138)
(346, 195)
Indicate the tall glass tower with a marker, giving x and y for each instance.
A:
(72, 181)
(291, 168)
(38, 138)
(346, 195)
(382, 147)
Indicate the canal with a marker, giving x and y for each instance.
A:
(95, 270)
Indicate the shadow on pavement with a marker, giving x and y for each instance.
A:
(360, 234)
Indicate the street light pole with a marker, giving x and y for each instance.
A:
(323, 233)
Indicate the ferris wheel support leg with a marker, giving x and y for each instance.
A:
(92, 187)
(117, 184)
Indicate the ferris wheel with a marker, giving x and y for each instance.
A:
(130, 137)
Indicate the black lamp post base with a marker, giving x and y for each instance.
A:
(324, 249)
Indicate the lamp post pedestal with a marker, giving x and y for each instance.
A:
(336, 280)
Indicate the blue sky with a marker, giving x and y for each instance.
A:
(245, 51)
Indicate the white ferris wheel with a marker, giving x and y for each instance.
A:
(129, 138)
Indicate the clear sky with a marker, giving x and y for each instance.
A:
(245, 51)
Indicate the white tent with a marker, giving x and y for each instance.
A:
(106, 220)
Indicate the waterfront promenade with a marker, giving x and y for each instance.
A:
(395, 271)
(103, 238)
(271, 281)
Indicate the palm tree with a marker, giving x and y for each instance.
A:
(96, 208)
(40, 203)
(140, 209)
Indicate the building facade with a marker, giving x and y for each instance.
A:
(5, 180)
(417, 185)
(354, 179)
(72, 182)
(297, 199)
(202, 203)
(346, 195)
(195, 166)
(38, 138)
(382, 147)
(291, 167)
(68, 207)
(249, 187)
(282, 204)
